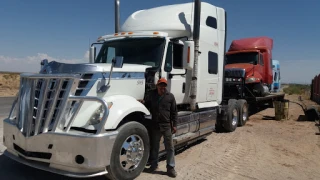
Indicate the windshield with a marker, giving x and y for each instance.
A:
(145, 51)
(249, 57)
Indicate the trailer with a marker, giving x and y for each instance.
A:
(85, 120)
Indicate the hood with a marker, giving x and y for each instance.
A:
(249, 68)
(246, 66)
(125, 67)
(56, 67)
(91, 80)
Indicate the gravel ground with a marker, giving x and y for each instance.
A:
(263, 149)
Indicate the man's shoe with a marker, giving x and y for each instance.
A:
(151, 169)
(171, 172)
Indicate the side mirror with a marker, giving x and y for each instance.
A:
(118, 62)
(255, 62)
(92, 54)
(188, 55)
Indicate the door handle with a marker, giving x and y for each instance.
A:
(184, 87)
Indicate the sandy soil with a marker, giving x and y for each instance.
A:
(9, 84)
(263, 149)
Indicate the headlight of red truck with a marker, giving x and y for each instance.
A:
(252, 80)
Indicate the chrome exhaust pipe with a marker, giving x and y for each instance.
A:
(117, 15)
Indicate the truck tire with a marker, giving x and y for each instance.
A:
(232, 116)
(131, 143)
(243, 111)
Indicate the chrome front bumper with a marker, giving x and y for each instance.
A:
(73, 154)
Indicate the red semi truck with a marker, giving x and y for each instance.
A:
(253, 57)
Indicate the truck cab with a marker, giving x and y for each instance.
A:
(252, 58)
(173, 26)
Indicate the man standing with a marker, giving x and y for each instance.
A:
(163, 109)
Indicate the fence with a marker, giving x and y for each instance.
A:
(315, 89)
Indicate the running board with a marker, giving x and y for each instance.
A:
(185, 137)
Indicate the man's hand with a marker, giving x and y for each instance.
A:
(174, 130)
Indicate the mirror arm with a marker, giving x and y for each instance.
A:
(112, 64)
(115, 62)
(105, 87)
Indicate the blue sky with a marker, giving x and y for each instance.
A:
(61, 29)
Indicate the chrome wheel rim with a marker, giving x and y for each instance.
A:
(234, 117)
(131, 153)
(244, 113)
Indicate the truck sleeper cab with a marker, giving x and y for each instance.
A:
(84, 120)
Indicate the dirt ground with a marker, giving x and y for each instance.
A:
(264, 149)
(9, 84)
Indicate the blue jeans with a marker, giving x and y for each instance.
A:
(155, 136)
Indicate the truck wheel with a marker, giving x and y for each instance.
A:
(130, 152)
(243, 111)
(233, 116)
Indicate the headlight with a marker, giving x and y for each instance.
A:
(98, 114)
(251, 79)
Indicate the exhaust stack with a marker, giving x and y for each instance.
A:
(196, 35)
(117, 16)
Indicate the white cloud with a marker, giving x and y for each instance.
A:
(31, 63)
(86, 55)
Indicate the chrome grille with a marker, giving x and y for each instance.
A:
(43, 101)
(84, 85)
(234, 73)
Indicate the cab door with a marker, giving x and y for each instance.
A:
(260, 66)
(177, 76)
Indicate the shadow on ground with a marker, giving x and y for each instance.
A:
(10, 169)
(268, 118)
(256, 109)
(177, 152)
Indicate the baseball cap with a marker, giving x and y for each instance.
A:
(162, 80)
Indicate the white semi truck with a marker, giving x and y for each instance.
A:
(85, 120)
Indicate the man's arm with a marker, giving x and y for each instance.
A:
(147, 100)
(173, 112)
